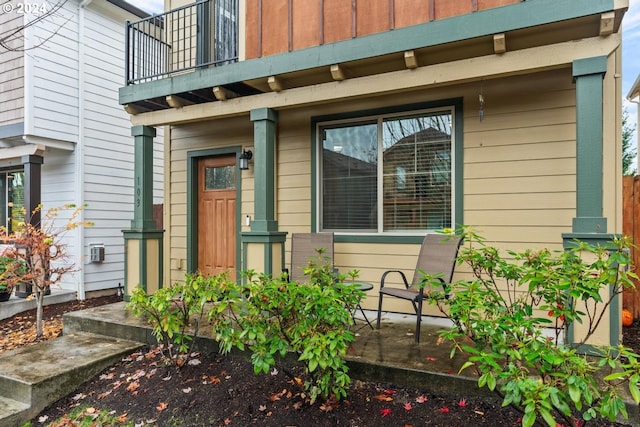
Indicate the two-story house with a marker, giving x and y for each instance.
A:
(63, 136)
(378, 120)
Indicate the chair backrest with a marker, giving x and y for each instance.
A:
(303, 249)
(437, 256)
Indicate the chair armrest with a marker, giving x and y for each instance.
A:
(384, 276)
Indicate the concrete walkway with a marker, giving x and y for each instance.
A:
(17, 305)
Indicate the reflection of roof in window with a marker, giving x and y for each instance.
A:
(426, 135)
(334, 161)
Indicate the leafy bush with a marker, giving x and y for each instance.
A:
(176, 313)
(500, 315)
(311, 319)
(269, 317)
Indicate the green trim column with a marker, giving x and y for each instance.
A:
(589, 225)
(263, 246)
(143, 242)
(588, 75)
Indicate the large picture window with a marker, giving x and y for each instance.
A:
(390, 173)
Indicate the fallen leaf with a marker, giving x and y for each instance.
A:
(186, 390)
(194, 362)
(462, 403)
(162, 406)
(227, 421)
(274, 372)
(421, 399)
(444, 410)
(385, 412)
(122, 418)
(408, 406)
(390, 392)
(43, 418)
(383, 398)
(430, 359)
(297, 405)
(262, 408)
(90, 410)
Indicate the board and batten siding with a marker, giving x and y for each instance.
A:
(519, 186)
(11, 73)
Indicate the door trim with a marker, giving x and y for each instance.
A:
(192, 204)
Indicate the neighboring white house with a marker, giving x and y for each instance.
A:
(63, 136)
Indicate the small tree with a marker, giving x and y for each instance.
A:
(41, 250)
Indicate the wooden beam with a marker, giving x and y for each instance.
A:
(222, 93)
(275, 84)
(133, 109)
(410, 59)
(337, 73)
(176, 101)
(607, 20)
(517, 62)
(499, 43)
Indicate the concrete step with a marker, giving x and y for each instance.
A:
(17, 305)
(38, 375)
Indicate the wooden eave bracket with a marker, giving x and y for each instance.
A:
(222, 93)
(176, 101)
(607, 22)
(275, 84)
(337, 73)
(499, 43)
(133, 109)
(410, 59)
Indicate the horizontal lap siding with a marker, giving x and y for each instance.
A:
(54, 78)
(520, 161)
(12, 75)
(519, 172)
(108, 151)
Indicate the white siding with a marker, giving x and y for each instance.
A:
(108, 150)
(11, 73)
(53, 76)
(72, 82)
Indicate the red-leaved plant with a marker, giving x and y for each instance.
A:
(41, 249)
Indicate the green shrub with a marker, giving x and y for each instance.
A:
(269, 317)
(176, 313)
(500, 315)
(310, 319)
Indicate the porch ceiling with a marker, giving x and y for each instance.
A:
(534, 24)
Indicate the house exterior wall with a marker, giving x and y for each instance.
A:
(519, 171)
(71, 108)
(12, 75)
(279, 26)
(519, 186)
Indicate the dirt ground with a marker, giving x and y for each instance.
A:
(214, 390)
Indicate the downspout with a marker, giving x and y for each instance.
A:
(79, 150)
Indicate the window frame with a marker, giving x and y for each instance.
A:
(452, 106)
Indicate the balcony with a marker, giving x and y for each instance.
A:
(191, 55)
(198, 35)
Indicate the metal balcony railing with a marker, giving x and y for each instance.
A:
(197, 35)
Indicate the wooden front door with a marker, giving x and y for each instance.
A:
(217, 215)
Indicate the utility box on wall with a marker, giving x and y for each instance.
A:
(97, 253)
